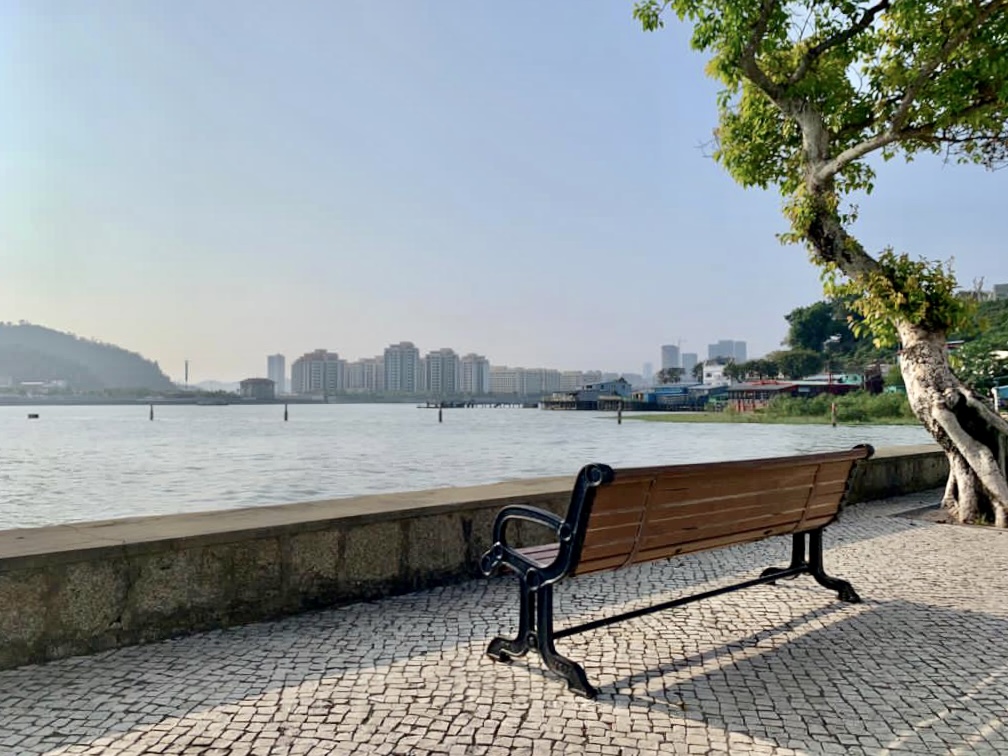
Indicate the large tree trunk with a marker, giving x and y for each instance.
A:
(970, 432)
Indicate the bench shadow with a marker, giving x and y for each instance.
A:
(214, 673)
(896, 675)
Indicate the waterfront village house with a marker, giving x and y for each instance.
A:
(753, 395)
(678, 396)
(713, 374)
(258, 389)
(602, 395)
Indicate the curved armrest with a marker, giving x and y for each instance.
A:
(503, 554)
(524, 512)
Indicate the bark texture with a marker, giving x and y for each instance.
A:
(969, 431)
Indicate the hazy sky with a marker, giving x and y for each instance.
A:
(222, 180)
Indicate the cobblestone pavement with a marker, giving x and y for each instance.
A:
(920, 667)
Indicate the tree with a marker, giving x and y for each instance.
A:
(814, 87)
(669, 375)
(736, 371)
(698, 371)
(797, 363)
(810, 327)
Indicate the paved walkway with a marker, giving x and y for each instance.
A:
(921, 667)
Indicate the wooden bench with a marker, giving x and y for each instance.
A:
(617, 518)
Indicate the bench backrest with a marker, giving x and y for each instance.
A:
(655, 512)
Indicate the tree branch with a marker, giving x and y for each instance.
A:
(817, 51)
(928, 67)
(747, 59)
(989, 416)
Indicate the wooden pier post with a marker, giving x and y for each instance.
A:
(151, 412)
(285, 412)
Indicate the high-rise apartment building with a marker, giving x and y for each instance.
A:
(669, 356)
(505, 380)
(689, 361)
(441, 369)
(474, 375)
(727, 349)
(276, 371)
(318, 372)
(402, 368)
(536, 381)
(571, 380)
(366, 375)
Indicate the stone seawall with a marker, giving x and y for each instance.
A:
(75, 589)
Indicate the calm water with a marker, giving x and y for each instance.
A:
(87, 463)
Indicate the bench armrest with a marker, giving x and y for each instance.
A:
(503, 552)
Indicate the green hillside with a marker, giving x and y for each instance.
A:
(34, 353)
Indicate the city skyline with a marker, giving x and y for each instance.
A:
(458, 173)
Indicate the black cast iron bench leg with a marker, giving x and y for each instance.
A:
(845, 591)
(573, 672)
(797, 558)
(504, 649)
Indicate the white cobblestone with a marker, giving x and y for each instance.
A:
(920, 667)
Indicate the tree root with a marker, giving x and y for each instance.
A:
(972, 465)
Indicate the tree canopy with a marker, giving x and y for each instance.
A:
(811, 89)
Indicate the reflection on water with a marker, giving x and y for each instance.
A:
(86, 463)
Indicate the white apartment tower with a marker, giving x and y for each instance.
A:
(474, 375)
(441, 369)
(318, 372)
(276, 371)
(402, 368)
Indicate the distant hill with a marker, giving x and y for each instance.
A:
(34, 353)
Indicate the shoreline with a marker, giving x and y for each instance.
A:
(755, 419)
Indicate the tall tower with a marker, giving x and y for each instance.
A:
(276, 371)
(669, 356)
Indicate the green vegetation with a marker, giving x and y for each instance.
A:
(856, 407)
(982, 362)
(812, 90)
(33, 353)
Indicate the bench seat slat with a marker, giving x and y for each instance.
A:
(740, 505)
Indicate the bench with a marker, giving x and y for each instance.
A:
(617, 518)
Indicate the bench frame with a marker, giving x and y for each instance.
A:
(536, 580)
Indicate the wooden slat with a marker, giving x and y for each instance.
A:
(675, 536)
(768, 501)
(679, 509)
(544, 555)
(708, 543)
(719, 468)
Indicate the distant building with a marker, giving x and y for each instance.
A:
(365, 375)
(474, 375)
(505, 380)
(441, 370)
(318, 372)
(647, 371)
(571, 380)
(276, 371)
(689, 361)
(1001, 291)
(713, 374)
(402, 368)
(258, 388)
(728, 349)
(669, 356)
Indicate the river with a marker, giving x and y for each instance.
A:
(78, 463)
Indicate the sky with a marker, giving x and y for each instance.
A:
(221, 181)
